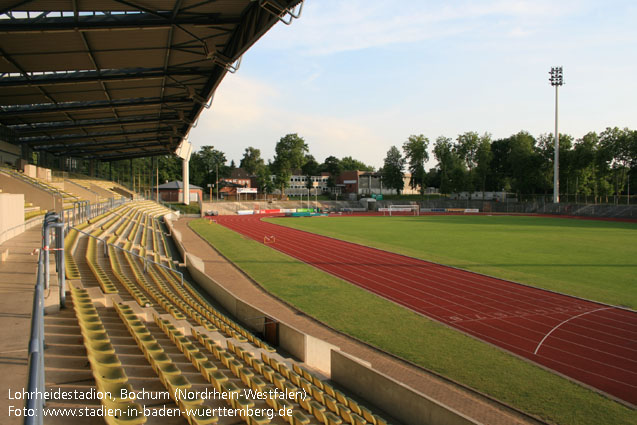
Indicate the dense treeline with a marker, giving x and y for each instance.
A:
(208, 165)
(600, 165)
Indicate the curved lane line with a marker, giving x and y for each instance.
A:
(567, 320)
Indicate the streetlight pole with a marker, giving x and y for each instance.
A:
(556, 79)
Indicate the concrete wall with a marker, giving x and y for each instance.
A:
(404, 403)
(11, 215)
(176, 235)
(40, 197)
(102, 192)
(31, 170)
(125, 193)
(43, 174)
(82, 192)
(318, 354)
(229, 208)
(245, 313)
(292, 340)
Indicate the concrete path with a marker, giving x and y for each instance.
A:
(466, 402)
(17, 282)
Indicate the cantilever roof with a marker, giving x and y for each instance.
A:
(115, 79)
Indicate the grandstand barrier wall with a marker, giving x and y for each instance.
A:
(35, 195)
(11, 215)
(83, 192)
(313, 351)
(248, 315)
(318, 354)
(405, 404)
(292, 340)
(176, 234)
(231, 208)
(101, 191)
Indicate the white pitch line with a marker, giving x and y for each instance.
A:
(567, 320)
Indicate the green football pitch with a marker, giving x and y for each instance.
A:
(592, 259)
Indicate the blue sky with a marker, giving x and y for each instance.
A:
(356, 77)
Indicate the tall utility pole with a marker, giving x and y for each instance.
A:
(556, 79)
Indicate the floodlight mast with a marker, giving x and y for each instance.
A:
(556, 79)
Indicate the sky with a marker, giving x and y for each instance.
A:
(355, 77)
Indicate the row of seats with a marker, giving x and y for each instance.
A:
(71, 269)
(108, 287)
(138, 295)
(202, 308)
(191, 406)
(105, 365)
(155, 294)
(219, 380)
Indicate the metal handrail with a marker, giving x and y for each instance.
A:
(35, 402)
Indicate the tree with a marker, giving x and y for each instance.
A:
(264, 180)
(525, 164)
(350, 164)
(332, 165)
(204, 165)
(252, 161)
(499, 177)
(169, 168)
(290, 155)
(451, 165)
(393, 167)
(617, 146)
(483, 161)
(415, 149)
(584, 153)
(309, 169)
(467, 148)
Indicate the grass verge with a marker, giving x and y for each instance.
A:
(379, 322)
(193, 208)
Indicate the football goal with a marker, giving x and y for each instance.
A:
(401, 210)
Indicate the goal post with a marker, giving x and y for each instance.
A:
(401, 210)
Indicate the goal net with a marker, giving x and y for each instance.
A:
(401, 210)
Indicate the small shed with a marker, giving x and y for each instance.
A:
(174, 192)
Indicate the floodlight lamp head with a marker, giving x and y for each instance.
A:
(556, 76)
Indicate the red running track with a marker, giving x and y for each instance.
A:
(593, 343)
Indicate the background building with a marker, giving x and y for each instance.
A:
(174, 192)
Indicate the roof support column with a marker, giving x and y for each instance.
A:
(183, 151)
(185, 174)
(132, 182)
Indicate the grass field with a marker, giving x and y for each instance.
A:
(592, 259)
(415, 338)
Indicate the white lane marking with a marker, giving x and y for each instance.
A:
(567, 320)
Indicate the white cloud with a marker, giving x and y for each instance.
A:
(328, 27)
(246, 112)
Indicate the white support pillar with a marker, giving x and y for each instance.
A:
(185, 174)
(183, 151)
